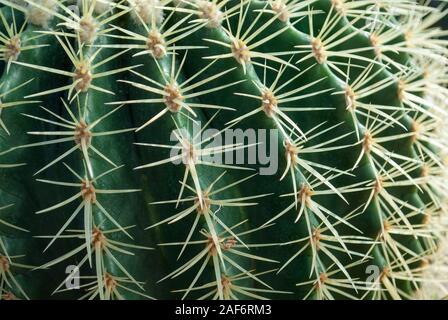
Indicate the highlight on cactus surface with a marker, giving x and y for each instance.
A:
(223, 149)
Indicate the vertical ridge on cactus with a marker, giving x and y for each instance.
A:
(223, 149)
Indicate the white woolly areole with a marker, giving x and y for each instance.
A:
(210, 12)
(39, 17)
(88, 29)
(145, 9)
(280, 8)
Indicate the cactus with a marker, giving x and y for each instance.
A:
(222, 149)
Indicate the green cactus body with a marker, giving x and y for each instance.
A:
(250, 149)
